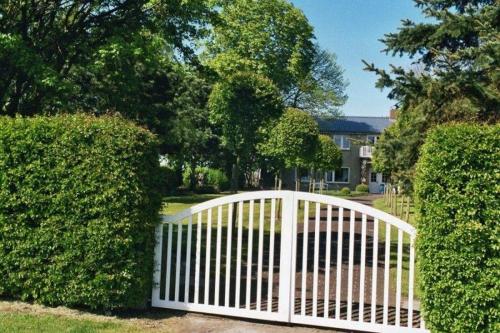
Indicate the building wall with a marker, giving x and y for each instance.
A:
(351, 159)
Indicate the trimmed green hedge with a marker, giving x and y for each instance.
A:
(208, 180)
(345, 191)
(457, 192)
(362, 188)
(78, 203)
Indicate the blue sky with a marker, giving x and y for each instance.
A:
(351, 29)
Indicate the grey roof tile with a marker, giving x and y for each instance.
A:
(354, 124)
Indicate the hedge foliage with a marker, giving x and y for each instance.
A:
(78, 205)
(208, 180)
(362, 188)
(345, 191)
(457, 192)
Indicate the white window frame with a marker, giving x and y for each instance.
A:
(375, 138)
(332, 173)
(333, 176)
(343, 140)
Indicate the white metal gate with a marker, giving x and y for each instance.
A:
(292, 257)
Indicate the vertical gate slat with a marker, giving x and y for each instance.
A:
(169, 262)
(387, 271)
(340, 238)
(261, 254)
(327, 260)
(228, 254)
(271, 257)
(374, 272)
(362, 269)
(198, 258)
(178, 260)
(249, 255)
(207, 258)
(411, 281)
(217, 256)
(316, 261)
(304, 259)
(238, 255)
(188, 259)
(293, 224)
(157, 262)
(398, 277)
(351, 265)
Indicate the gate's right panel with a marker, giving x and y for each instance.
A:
(353, 267)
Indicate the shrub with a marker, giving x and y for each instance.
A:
(362, 188)
(457, 202)
(345, 191)
(217, 179)
(207, 180)
(78, 204)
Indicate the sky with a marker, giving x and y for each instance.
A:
(352, 29)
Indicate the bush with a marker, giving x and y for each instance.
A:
(457, 203)
(345, 191)
(78, 204)
(217, 179)
(362, 188)
(207, 180)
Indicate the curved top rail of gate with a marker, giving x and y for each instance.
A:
(356, 206)
(256, 195)
(330, 200)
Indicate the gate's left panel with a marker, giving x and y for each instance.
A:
(223, 257)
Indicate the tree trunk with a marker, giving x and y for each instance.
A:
(234, 176)
(192, 176)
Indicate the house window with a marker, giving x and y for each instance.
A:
(304, 175)
(342, 141)
(385, 178)
(372, 139)
(373, 177)
(329, 177)
(338, 176)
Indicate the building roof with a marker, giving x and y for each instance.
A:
(353, 124)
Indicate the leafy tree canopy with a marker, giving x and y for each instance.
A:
(46, 46)
(240, 105)
(454, 77)
(322, 91)
(275, 39)
(292, 140)
(327, 155)
(272, 38)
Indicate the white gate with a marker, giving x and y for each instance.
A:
(291, 257)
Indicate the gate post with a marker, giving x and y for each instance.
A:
(286, 270)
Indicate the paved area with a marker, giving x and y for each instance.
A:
(198, 323)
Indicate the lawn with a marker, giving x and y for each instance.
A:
(18, 322)
(176, 204)
(381, 205)
(22, 317)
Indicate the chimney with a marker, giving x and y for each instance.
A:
(393, 113)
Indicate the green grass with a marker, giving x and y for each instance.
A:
(341, 195)
(14, 322)
(176, 204)
(381, 205)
